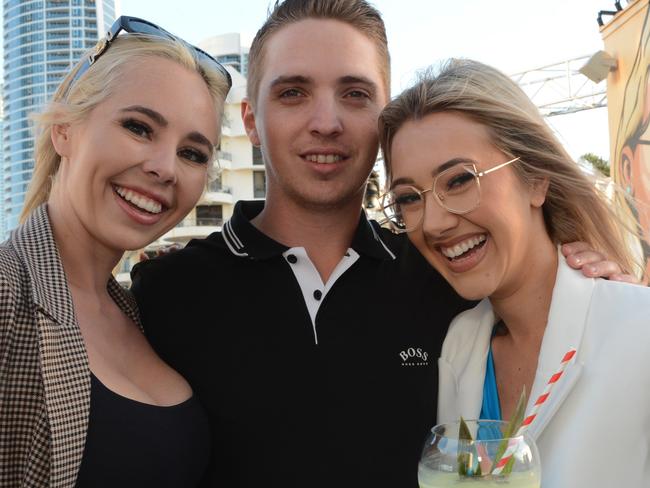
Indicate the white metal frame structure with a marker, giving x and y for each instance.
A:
(560, 89)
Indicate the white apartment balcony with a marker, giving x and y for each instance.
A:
(190, 228)
(224, 160)
(217, 193)
(237, 131)
(249, 167)
(232, 129)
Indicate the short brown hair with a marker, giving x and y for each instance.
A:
(574, 209)
(357, 13)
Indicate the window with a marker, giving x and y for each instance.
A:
(209, 215)
(229, 58)
(257, 155)
(259, 184)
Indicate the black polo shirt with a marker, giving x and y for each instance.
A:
(330, 387)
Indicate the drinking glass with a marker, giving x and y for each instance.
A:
(445, 457)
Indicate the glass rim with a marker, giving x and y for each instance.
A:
(477, 422)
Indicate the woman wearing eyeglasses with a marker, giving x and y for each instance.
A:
(122, 156)
(486, 193)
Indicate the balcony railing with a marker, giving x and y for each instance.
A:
(223, 155)
(57, 35)
(57, 4)
(211, 221)
(217, 187)
(57, 15)
(201, 222)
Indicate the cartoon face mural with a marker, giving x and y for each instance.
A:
(631, 165)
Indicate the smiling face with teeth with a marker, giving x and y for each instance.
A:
(316, 113)
(138, 163)
(488, 251)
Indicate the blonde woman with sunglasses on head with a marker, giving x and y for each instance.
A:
(122, 156)
(487, 194)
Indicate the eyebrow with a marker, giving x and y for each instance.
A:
(162, 121)
(291, 80)
(152, 114)
(444, 166)
(353, 80)
(200, 139)
(451, 163)
(305, 80)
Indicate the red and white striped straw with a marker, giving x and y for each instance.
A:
(512, 444)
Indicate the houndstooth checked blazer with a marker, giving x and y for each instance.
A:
(44, 373)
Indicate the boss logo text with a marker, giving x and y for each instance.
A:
(414, 356)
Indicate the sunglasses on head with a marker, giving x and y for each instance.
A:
(134, 25)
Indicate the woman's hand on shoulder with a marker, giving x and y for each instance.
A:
(161, 251)
(594, 264)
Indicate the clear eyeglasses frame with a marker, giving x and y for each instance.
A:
(456, 189)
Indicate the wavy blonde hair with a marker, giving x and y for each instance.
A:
(574, 209)
(73, 102)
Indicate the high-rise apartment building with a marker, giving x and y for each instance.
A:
(228, 50)
(42, 41)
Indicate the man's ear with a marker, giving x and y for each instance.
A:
(248, 118)
(61, 140)
(538, 192)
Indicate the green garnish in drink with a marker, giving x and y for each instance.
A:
(468, 457)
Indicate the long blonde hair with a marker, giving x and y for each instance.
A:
(73, 102)
(574, 209)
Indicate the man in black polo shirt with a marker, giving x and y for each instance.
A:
(310, 334)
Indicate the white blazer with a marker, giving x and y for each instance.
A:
(594, 430)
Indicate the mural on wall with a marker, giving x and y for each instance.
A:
(630, 166)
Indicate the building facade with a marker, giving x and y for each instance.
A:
(242, 175)
(43, 39)
(228, 50)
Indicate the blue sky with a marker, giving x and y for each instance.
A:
(512, 35)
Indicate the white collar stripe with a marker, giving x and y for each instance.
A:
(232, 236)
(390, 253)
(226, 239)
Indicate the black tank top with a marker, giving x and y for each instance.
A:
(134, 444)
